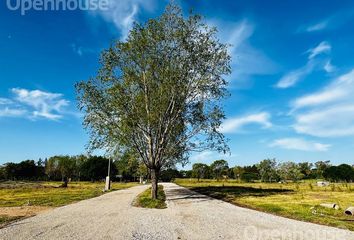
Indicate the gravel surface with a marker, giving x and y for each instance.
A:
(189, 216)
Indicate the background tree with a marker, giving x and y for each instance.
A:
(200, 170)
(63, 167)
(343, 172)
(306, 169)
(320, 167)
(159, 93)
(95, 168)
(51, 168)
(238, 172)
(67, 167)
(169, 174)
(290, 171)
(128, 165)
(267, 170)
(219, 168)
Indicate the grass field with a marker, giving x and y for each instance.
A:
(22, 199)
(144, 199)
(293, 200)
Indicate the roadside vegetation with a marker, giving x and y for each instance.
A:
(23, 199)
(144, 199)
(299, 201)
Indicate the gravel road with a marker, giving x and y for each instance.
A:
(189, 216)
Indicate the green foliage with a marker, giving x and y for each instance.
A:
(219, 168)
(306, 169)
(168, 175)
(96, 168)
(201, 170)
(25, 170)
(343, 172)
(144, 199)
(159, 92)
(268, 170)
(320, 167)
(129, 166)
(290, 171)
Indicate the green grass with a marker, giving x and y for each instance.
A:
(13, 194)
(48, 194)
(293, 200)
(144, 199)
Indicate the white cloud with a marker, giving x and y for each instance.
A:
(328, 67)
(5, 101)
(123, 13)
(34, 104)
(9, 112)
(339, 90)
(80, 50)
(293, 77)
(246, 59)
(329, 112)
(331, 22)
(336, 121)
(323, 47)
(317, 27)
(300, 144)
(236, 124)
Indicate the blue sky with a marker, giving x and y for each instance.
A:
(292, 84)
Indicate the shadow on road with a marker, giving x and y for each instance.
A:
(183, 193)
(238, 191)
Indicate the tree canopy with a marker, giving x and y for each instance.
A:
(158, 93)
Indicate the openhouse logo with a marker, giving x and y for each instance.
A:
(56, 5)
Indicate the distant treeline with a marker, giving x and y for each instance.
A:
(80, 168)
(269, 170)
(129, 168)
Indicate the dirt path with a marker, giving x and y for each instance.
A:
(189, 216)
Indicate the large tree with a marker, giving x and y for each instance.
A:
(158, 92)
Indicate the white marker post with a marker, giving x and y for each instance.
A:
(107, 187)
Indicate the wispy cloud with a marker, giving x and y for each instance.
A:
(293, 77)
(328, 112)
(300, 144)
(317, 26)
(5, 101)
(323, 47)
(329, 23)
(236, 124)
(80, 50)
(247, 60)
(328, 67)
(124, 13)
(12, 112)
(33, 104)
(45, 104)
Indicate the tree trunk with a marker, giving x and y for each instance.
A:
(154, 183)
(65, 182)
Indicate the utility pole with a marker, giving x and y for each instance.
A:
(108, 181)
